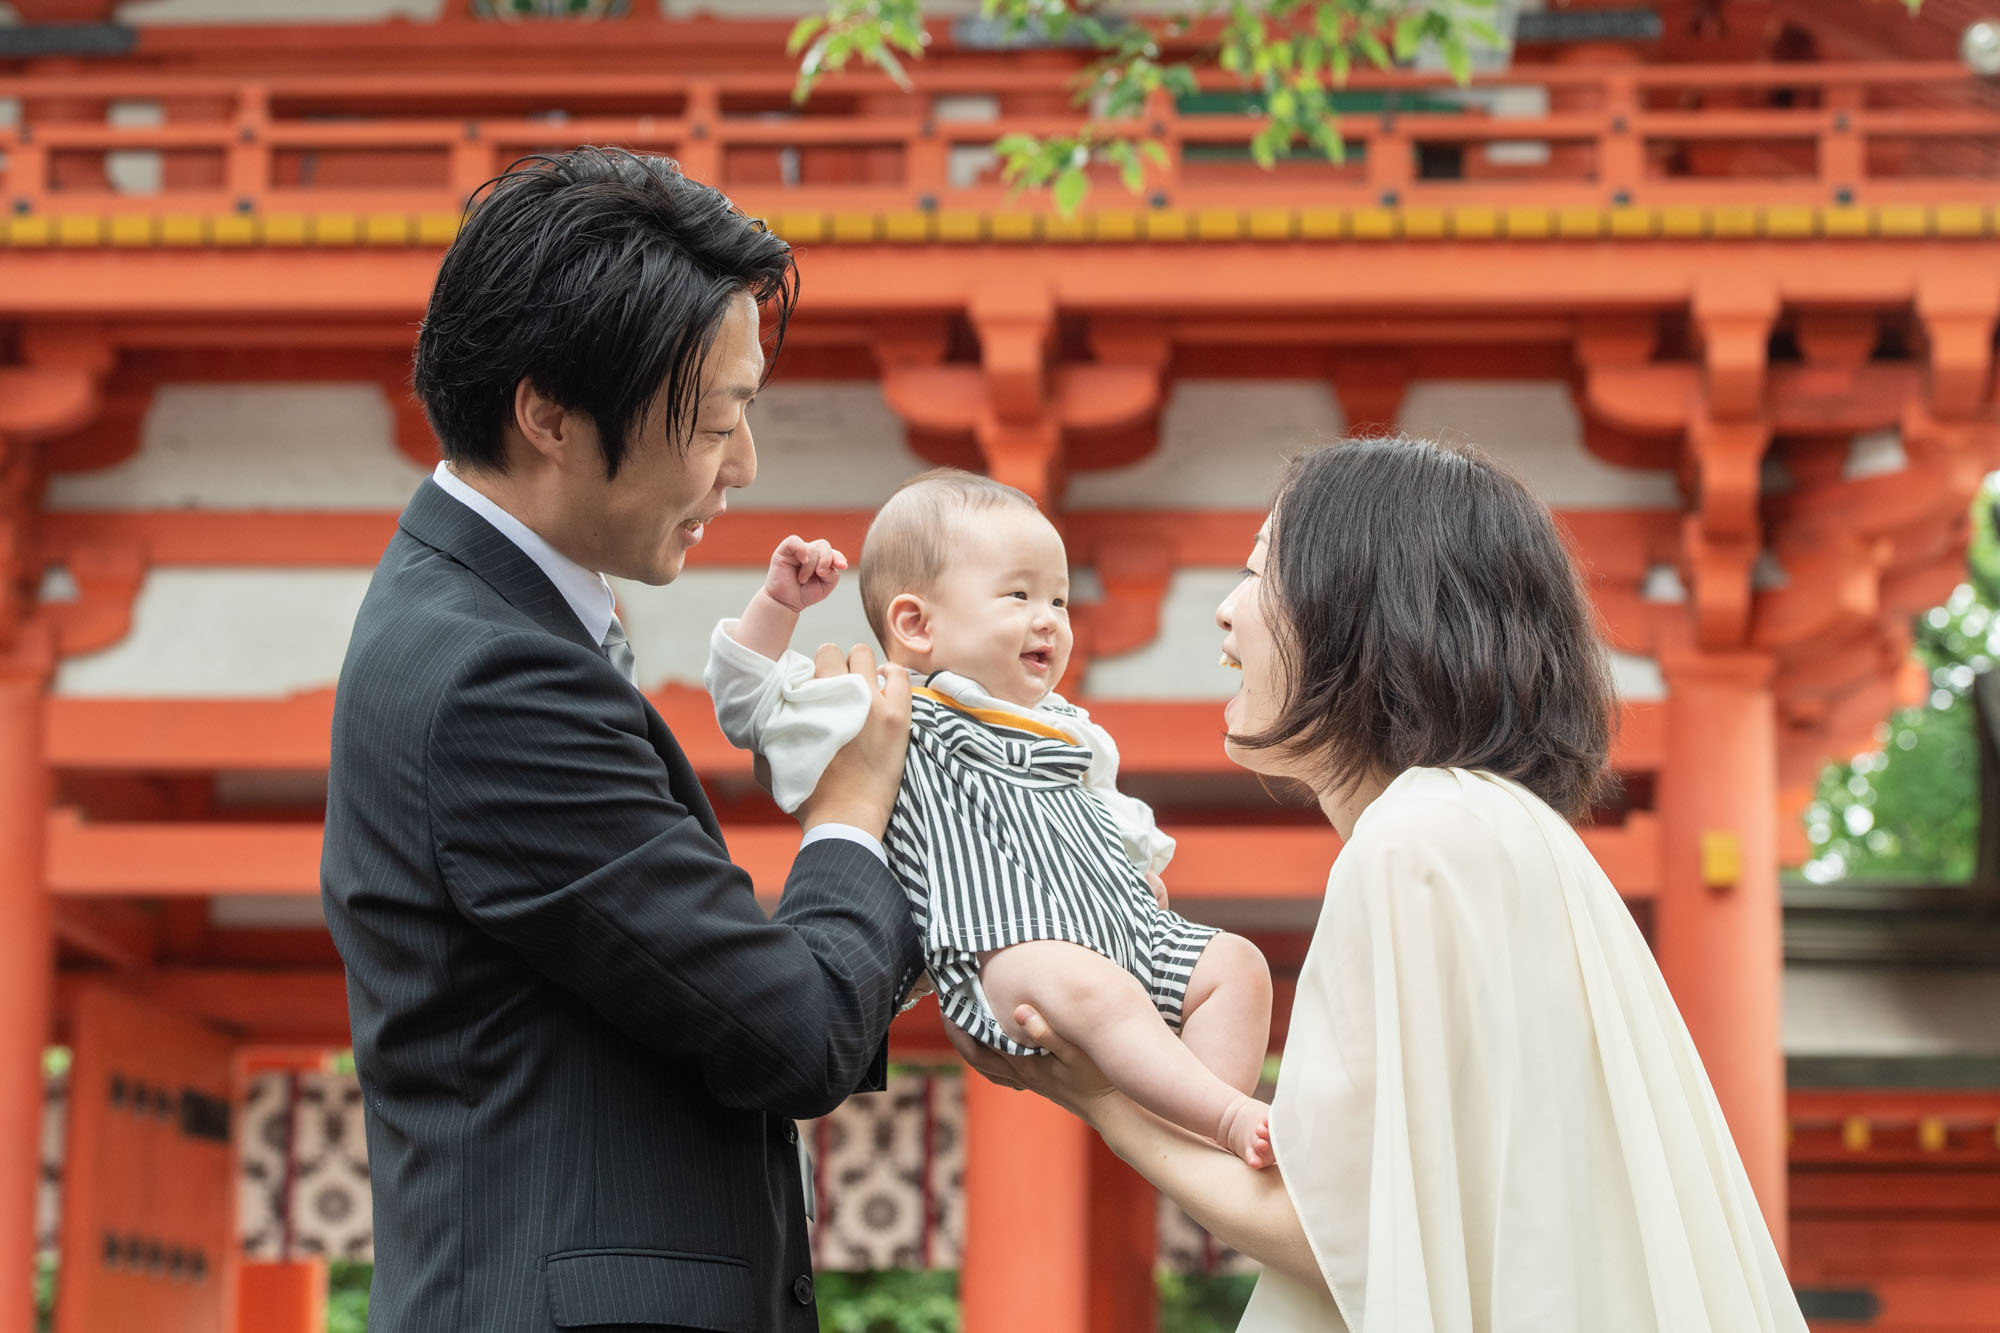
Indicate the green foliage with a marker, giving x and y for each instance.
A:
(45, 1293)
(1294, 55)
(893, 1301)
(347, 1296)
(1909, 810)
(1190, 1303)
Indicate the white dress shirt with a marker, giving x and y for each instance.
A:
(589, 596)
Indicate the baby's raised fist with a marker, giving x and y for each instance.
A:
(802, 572)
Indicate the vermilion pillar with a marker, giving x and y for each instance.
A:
(26, 967)
(1026, 1266)
(1719, 925)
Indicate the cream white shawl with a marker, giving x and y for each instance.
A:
(1490, 1116)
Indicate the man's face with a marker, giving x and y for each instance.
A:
(641, 524)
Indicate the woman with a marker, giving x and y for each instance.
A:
(1490, 1115)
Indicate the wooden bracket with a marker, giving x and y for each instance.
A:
(1734, 322)
(107, 576)
(1958, 314)
(1018, 409)
(1370, 387)
(1135, 576)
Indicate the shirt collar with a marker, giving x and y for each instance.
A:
(588, 593)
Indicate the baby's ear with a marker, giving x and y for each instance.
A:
(908, 621)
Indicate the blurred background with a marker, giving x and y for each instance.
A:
(1717, 277)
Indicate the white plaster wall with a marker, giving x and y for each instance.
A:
(238, 633)
(1223, 445)
(1637, 679)
(1871, 1011)
(1533, 426)
(826, 446)
(254, 446)
(669, 626)
(1184, 660)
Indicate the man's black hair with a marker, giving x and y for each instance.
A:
(600, 276)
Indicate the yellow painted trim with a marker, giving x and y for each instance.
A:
(1014, 227)
(1065, 229)
(1423, 224)
(1475, 222)
(906, 228)
(1372, 224)
(336, 229)
(961, 226)
(1272, 224)
(234, 230)
(72, 230)
(1528, 223)
(1469, 222)
(856, 227)
(294, 229)
(1631, 223)
(131, 229)
(1683, 222)
(183, 229)
(1903, 220)
(1218, 224)
(437, 228)
(994, 717)
(1962, 220)
(1322, 224)
(1791, 221)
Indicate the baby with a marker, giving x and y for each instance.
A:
(1033, 879)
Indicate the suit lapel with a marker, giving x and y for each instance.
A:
(439, 521)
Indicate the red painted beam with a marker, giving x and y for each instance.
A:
(199, 859)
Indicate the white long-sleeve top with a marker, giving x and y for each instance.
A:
(797, 722)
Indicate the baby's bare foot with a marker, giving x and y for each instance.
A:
(1246, 1131)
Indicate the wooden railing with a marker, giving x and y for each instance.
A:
(1811, 136)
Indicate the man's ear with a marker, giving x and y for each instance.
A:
(909, 623)
(548, 428)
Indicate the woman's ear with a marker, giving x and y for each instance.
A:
(909, 623)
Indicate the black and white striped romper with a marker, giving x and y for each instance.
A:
(997, 841)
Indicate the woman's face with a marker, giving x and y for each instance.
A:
(1248, 644)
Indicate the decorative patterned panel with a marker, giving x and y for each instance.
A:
(890, 1173)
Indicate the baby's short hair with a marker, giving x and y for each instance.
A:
(909, 541)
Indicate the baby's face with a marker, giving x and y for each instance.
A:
(1000, 613)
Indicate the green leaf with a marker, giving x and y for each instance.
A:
(1371, 46)
(1409, 34)
(1283, 104)
(1071, 186)
(1133, 173)
(803, 31)
(1457, 58)
(1341, 64)
(1483, 32)
(1156, 152)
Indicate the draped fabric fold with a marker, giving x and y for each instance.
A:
(1490, 1116)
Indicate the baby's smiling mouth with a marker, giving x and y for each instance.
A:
(1038, 658)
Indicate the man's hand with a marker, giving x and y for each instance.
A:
(1159, 889)
(802, 573)
(859, 787)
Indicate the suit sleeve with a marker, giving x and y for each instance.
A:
(556, 832)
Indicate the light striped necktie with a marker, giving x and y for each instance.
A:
(619, 649)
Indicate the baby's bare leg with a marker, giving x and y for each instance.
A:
(1103, 1009)
(1226, 1018)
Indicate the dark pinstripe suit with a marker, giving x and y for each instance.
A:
(580, 1040)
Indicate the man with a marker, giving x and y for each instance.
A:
(580, 1041)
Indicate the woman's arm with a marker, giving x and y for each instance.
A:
(1247, 1210)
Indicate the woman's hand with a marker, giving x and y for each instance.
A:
(1066, 1076)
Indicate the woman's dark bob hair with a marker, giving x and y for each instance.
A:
(599, 276)
(1427, 615)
